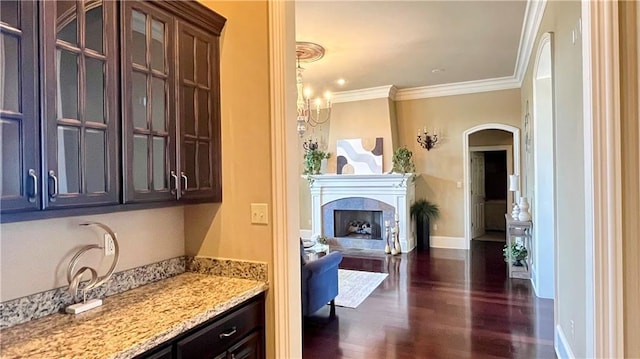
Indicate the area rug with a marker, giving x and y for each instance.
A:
(355, 286)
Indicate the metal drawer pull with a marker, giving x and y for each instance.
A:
(52, 175)
(184, 177)
(229, 333)
(32, 174)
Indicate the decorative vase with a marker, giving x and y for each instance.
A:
(524, 214)
(515, 213)
(518, 263)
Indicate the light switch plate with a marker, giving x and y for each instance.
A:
(259, 213)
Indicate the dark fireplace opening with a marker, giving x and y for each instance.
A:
(357, 224)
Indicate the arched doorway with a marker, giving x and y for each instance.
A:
(515, 145)
(543, 196)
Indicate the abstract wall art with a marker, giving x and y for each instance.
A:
(359, 156)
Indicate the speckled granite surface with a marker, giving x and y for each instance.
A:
(229, 268)
(38, 305)
(132, 322)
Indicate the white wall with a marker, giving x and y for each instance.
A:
(561, 18)
(543, 203)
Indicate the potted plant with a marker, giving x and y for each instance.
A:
(518, 253)
(313, 159)
(403, 161)
(424, 212)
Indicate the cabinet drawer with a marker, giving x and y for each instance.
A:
(220, 335)
(160, 354)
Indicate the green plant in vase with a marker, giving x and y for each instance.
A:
(313, 158)
(518, 253)
(403, 161)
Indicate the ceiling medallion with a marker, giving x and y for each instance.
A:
(309, 51)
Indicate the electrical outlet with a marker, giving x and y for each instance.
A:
(259, 213)
(109, 246)
(435, 226)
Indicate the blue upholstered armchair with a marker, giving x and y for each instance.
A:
(319, 282)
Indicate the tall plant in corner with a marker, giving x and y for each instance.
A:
(313, 158)
(424, 212)
(403, 161)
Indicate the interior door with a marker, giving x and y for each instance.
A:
(477, 194)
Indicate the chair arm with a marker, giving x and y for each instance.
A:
(321, 265)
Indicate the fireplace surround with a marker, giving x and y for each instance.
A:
(383, 195)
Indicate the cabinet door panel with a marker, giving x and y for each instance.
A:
(248, 348)
(148, 103)
(80, 105)
(19, 149)
(199, 114)
(95, 110)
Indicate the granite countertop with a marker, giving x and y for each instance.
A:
(132, 322)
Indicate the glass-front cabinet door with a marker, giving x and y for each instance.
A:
(199, 121)
(149, 113)
(80, 103)
(20, 166)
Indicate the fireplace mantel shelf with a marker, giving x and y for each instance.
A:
(348, 180)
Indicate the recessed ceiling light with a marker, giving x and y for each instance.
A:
(437, 70)
(340, 82)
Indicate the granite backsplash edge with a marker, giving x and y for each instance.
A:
(38, 305)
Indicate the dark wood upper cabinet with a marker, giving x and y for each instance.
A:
(171, 102)
(199, 115)
(106, 103)
(79, 64)
(19, 118)
(148, 97)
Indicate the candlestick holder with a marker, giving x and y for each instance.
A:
(387, 248)
(394, 249)
(396, 243)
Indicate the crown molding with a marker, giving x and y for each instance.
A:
(458, 88)
(372, 93)
(532, 18)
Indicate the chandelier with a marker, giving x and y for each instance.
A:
(309, 52)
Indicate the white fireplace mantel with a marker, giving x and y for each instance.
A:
(396, 190)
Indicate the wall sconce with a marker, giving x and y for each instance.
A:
(427, 140)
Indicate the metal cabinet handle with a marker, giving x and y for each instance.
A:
(228, 333)
(175, 181)
(184, 178)
(34, 177)
(52, 176)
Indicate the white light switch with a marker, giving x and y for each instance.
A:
(458, 184)
(259, 213)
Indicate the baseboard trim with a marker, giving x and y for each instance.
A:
(563, 349)
(305, 233)
(449, 242)
(534, 283)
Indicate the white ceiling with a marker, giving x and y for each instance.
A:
(378, 43)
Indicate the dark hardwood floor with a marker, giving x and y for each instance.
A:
(437, 304)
